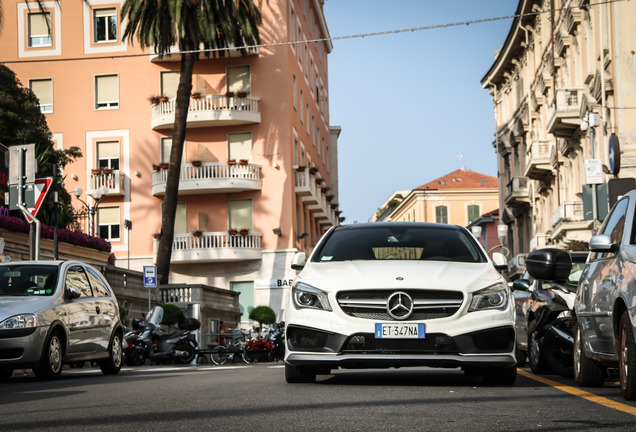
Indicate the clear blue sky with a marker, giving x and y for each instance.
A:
(410, 103)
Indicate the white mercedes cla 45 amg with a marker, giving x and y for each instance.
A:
(400, 294)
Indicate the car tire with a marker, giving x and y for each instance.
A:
(586, 372)
(299, 374)
(5, 373)
(112, 364)
(219, 355)
(627, 358)
(52, 358)
(187, 359)
(536, 357)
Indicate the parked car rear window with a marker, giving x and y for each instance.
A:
(28, 280)
(399, 243)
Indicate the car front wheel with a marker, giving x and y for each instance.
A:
(112, 364)
(299, 374)
(586, 372)
(52, 356)
(627, 358)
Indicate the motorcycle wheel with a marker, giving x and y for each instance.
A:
(554, 358)
(219, 355)
(136, 357)
(185, 359)
(627, 358)
(536, 357)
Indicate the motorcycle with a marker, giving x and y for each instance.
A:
(152, 343)
(276, 334)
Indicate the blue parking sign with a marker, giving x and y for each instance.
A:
(150, 276)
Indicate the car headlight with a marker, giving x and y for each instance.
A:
(19, 322)
(494, 297)
(306, 296)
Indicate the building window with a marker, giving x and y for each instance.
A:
(473, 212)
(40, 25)
(43, 89)
(170, 84)
(108, 154)
(238, 79)
(108, 223)
(239, 146)
(295, 90)
(441, 214)
(240, 214)
(246, 298)
(107, 91)
(302, 114)
(105, 25)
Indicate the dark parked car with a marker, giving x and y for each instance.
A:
(543, 320)
(54, 313)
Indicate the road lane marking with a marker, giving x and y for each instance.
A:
(581, 393)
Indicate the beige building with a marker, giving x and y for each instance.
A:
(260, 152)
(563, 86)
(457, 198)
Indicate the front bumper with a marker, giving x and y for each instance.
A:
(491, 347)
(22, 348)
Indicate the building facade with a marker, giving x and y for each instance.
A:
(563, 88)
(457, 198)
(258, 179)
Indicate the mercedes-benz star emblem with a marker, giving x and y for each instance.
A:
(399, 305)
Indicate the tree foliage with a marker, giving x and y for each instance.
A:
(262, 315)
(172, 314)
(21, 122)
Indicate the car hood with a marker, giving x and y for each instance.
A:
(455, 276)
(14, 305)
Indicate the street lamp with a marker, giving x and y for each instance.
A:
(98, 195)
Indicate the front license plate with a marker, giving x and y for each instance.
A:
(400, 331)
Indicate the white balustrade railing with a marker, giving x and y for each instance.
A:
(211, 171)
(211, 103)
(216, 240)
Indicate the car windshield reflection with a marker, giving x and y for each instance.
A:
(28, 280)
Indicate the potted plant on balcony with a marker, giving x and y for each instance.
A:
(231, 162)
(243, 162)
(313, 170)
(229, 94)
(164, 165)
(329, 197)
(107, 170)
(196, 232)
(163, 98)
(195, 95)
(232, 231)
(242, 94)
(244, 231)
(318, 181)
(96, 171)
(301, 168)
(155, 167)
(196, 162)
(156, 235)
(153, 99)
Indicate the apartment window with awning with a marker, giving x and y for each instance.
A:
(107, 91)
(108, 154)
(40, 26)
(238, 79)
(240, 213)
(43, 89)
(240, 146)
(108, 222)
(169, 84)
(105, 25)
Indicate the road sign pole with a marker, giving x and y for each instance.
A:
(34, 253)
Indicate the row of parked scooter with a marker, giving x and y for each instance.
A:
(148, 342)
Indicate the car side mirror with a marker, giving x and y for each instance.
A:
(602, 243)
(500, 261)
(298, 262)
(549, 264)
(72, 292)
(521, 285)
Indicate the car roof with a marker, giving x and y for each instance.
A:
(380, 225)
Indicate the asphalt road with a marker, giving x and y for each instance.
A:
(256, 398)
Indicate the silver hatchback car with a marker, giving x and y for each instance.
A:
(57, 312)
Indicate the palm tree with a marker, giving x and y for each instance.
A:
(190, 25)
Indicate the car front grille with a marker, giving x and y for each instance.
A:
(427, 304)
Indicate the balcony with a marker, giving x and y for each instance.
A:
(566, 111)
(538, 162)
(317, 202)
(209, 111)
(517, 192)
(175, 55)
(113, 180)
(210, 177)
(214, 247)
(569, 228)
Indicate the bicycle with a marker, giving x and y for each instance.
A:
(235, 348)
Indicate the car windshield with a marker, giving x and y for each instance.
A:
(28, 280)
(399, 242)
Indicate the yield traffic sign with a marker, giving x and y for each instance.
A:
(42, 187)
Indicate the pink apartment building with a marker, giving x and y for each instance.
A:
(258, 125)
